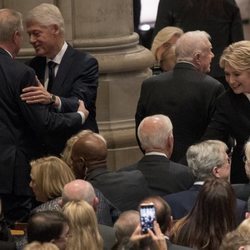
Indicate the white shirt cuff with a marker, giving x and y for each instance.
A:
(82, 115)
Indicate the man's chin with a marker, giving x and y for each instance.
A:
(39, 52)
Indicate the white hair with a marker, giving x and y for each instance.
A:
(190, 43)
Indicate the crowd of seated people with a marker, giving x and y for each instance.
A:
(82, 204)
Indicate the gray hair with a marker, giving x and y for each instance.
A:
(10, 22)
(190, 43)
(46, 14)
(154, 130)
(204, 156)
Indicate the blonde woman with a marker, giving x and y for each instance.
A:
(83, 226)
(48, 177)
(231, 116)
(163, 47)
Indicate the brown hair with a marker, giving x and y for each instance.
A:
(212, 216)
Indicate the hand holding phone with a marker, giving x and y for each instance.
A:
(147, 217)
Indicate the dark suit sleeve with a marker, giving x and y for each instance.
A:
(38, 116)
(84, 86)
(236, 26)
(218, 128)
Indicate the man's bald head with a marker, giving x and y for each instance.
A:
(78, 190)
(91, 146)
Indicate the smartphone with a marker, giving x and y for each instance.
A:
(147, 217)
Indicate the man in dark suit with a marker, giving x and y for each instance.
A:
(206, 159)
(123, 189)
(76, 73)
(163, 176)
(20, 123)
(219, 18)
(186, 95)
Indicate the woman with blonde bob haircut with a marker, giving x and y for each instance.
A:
(163, 47)
(231, 117)
(83, 226)
(48, 177)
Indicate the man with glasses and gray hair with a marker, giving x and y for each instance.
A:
(206, 159)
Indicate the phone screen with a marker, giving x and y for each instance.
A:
(147, 216)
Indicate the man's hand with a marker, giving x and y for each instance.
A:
(36, 94)
(82, 109)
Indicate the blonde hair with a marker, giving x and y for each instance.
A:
(164, 36)
(40, 246)
(83, 226)
(244, 228)
(50, 175)
(237, 55)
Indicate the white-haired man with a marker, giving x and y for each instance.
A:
(73, 76)
(155, 134)
(186, 94)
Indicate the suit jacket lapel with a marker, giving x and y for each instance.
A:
(63, 69)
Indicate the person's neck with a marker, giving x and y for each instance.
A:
(56, 50)
(9, 48)
(95, 165)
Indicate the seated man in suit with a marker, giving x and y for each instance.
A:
(73, 76)
(242, 191)
(78, 190)
(83, 190)
(206, 159)
(89, 159)
(185, 94)
(163, 176)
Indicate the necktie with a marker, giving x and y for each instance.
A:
(51, 66)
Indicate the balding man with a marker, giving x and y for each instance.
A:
(163, 176)
(124, 189)
(78, 190)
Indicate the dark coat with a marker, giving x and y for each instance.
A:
(163, 176)
(21, 124)
(182, 203)
(223, 25)
(124, 189)
(187, 97)
(76, 78)
(232, 117)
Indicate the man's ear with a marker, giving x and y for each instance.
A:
(55, 29)
(170, 145)
(95, 203)
(216, 172)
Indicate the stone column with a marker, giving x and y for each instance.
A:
(105, 29)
